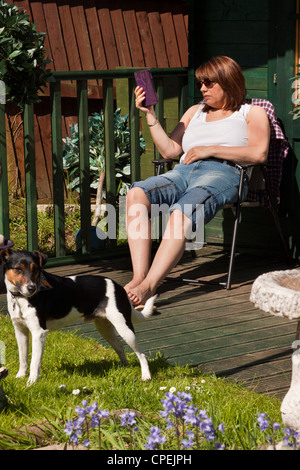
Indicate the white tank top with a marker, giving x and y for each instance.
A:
(229, 132)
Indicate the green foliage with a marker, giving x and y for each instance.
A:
(97, 152)
(77, 368)
(22, 56)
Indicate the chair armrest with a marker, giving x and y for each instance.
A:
(160, 163)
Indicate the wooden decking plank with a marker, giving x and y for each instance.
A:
(183, 354)
(209, 340)
(211, 327)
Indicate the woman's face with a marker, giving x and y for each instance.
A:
(213, 94)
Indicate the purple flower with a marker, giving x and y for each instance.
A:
(69, 428)
(276, 426)
(203, 414)
(263, 421)
(219, 446)
(97, 417)
(187, 443)
(191, 416)
(155, 439)
(221, 428)
(206, 427)
(92, 408)
(175, 404)
(73, 430)
(128, 418)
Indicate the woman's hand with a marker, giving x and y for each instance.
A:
(140, 96)
(197, 153)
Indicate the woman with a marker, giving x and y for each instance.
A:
(212, 137)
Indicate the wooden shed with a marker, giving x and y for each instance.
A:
(93, 35)
(261, 35)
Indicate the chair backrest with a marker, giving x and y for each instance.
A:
(278, 150)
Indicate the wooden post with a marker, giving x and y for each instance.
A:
(30, 178)
(84, 165)
(58, 170)
(4, 201)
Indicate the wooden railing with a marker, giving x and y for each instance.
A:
(81, 78)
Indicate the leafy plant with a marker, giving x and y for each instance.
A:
(97, 154)
(22, 56)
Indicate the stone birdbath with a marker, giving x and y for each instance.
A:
(278, 293)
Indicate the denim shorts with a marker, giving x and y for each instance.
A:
(205, 182)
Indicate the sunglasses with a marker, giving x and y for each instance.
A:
(207, 82)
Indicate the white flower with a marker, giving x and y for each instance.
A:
(187, 388)
(62, 386)
(203, 381)
(76, 391)
(172, 389)
(162, 388)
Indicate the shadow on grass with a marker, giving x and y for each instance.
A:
(103, 367)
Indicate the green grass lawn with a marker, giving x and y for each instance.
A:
(72, 363)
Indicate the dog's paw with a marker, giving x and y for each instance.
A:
(21, 373)
(146, 377)
(32, 379)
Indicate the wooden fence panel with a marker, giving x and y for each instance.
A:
(96, 37)
(158, 40)
(121, 37)
(69, 36)
(133, 35)
(146, 39)
(109, 41)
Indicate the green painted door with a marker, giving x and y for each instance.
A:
(260, 35)
(283, 60)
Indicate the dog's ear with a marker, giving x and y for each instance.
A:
(42, 258)
(5, 254)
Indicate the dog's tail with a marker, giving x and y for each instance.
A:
(140, 316)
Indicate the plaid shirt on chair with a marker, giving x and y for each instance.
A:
(278, 150)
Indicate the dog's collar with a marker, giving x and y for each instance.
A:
(16, 294)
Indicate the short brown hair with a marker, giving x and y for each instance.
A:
(228, 74)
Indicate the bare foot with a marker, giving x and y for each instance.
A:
(133, 283)
(140, 294)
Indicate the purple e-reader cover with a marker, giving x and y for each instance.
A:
(144, 79)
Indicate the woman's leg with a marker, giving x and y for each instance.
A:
(139, 234)
(167, 256)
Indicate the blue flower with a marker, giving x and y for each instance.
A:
(263, 421)
(187, 443)
(97, 417)
(128, 418)
(276, 426)
(69, 428)
(219, 446)
(221, 428)
(155, 439)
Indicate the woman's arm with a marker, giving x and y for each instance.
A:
(168, 146)
(258, 130)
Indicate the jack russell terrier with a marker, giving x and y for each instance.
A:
(39, 301)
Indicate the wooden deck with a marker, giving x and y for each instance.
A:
(207, 326)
